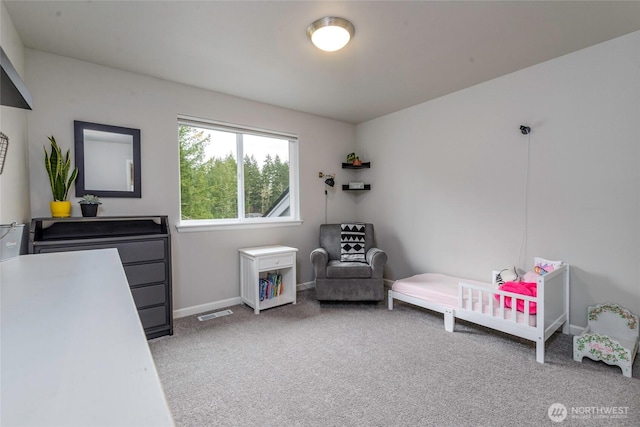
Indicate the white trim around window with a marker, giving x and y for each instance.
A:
(293, 217)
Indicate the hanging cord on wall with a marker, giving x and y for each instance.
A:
(326, 196)
(328, 182)
(523, 245)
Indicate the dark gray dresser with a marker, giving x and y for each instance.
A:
(144, 245)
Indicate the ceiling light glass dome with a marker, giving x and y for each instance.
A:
(330, 33)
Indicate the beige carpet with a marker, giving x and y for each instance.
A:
(334, 364)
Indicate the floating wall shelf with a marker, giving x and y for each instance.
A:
(367, 187)
(365, 165)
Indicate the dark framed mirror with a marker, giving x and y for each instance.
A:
(108, 160)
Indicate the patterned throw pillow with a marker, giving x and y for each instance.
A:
(543, 266)
(352, 237)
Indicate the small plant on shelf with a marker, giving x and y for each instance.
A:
(58, 168)
(89, 205)
(90, 199)
(357, 161)
(351, 157)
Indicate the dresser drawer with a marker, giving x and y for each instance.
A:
(146, 273)
(149, 295)
(129, 251)
(141, 251)
(276, 261)
(152, 317)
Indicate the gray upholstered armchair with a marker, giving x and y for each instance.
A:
(338, 280)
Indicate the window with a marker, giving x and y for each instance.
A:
(218, 189)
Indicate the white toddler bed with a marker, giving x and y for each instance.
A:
(484, 304)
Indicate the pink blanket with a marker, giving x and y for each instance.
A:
(522, 288)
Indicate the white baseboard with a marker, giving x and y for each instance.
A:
(575, 330)
(197, 309)
(306, 285)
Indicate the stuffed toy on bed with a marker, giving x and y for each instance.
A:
(507, 275)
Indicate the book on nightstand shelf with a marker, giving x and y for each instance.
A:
(270, 286)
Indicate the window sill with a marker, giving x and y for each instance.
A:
(192, 226)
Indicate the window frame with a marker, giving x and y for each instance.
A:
(197, 225)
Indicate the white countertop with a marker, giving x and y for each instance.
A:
(73, 350)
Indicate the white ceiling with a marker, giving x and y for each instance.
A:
(403, 53)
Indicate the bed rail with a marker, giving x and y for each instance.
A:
(486, 306)
(491, 302)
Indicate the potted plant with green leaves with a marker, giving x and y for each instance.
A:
(89, 205)
(58, 168)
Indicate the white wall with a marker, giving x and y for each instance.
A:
(14, 181)
(449, 176)
(205, 264)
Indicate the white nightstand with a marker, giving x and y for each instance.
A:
(260, 262)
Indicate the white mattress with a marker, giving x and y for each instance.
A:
(443, 290)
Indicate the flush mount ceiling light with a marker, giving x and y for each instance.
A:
(330, 33)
